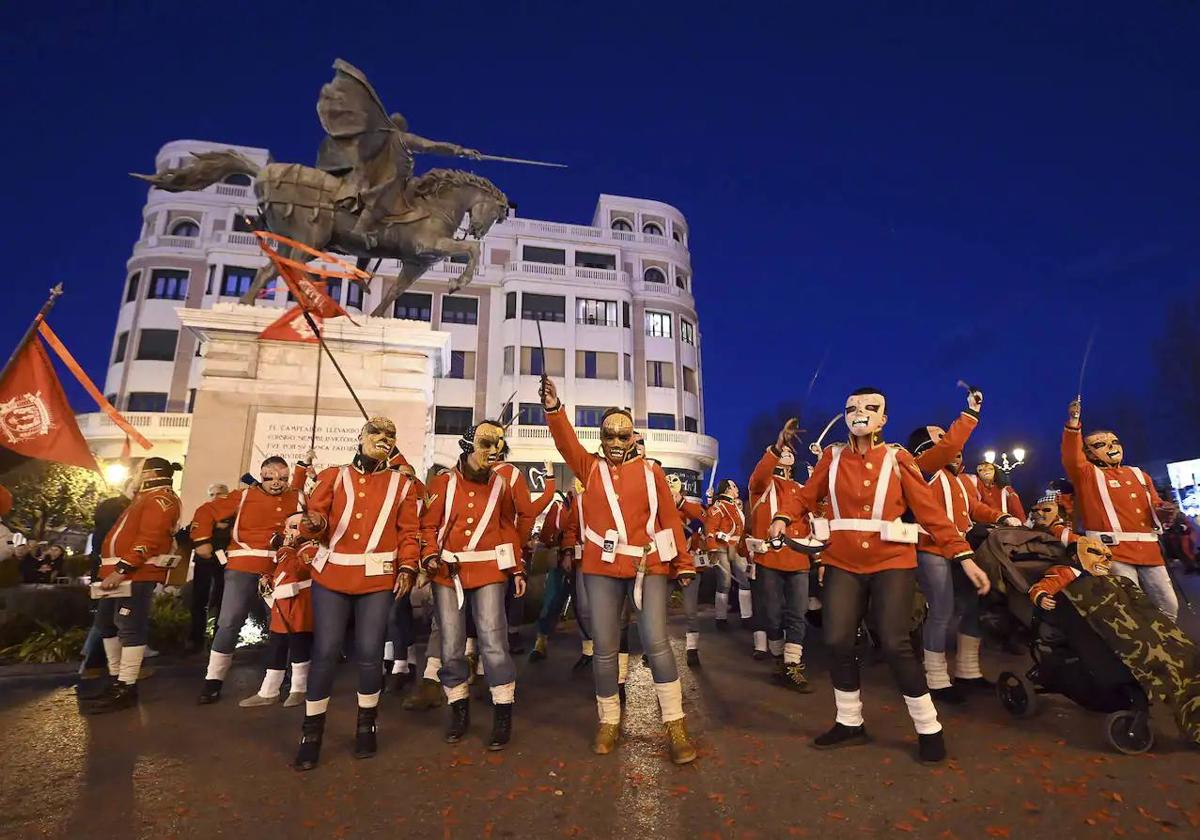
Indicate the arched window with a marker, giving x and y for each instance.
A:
(676, 235)
(654, 275)
(237, 179)
(622, 225)
(681, 280)
(652, 229)
(185, 227)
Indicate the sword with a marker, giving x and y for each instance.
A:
(813, 381)
(816, 445)
(504, 159)
(452, 568)
(1083, 367)
(542, 347)
(712, 477)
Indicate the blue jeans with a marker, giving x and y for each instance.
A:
(948, 592)
(241, 588)
(486, 604)
(127, 618)
(331, 614)
(400, 628)
(606, 598)
(558, 588)
(784, 599)
(1155, 581)
(583, 611)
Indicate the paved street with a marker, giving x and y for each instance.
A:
(175, 769)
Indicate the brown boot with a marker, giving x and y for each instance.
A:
(607, 735)
(427, 695)
(682, 751)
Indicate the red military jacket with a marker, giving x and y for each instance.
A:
(632, 500)
(528, 508)
(475, 521)
(257, 516)
(942, 453)
(770, 494)
(1003, 499)
(723, 517)
(368, 526)
(144, 531)
(861, 511)
(962, 507)
(551, 533)
(1118, 501)
(291, 608)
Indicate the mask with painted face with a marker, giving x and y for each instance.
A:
(986, 473)
(617, 437)
(1045, 513)
(865, 414)
(487, 445)
(1104, 448)
(786, 463)
(377, 439)
(273, 479)
(1093, 555)
(676, 486)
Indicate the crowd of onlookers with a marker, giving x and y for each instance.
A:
(40, 562)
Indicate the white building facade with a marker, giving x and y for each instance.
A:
(614, 299)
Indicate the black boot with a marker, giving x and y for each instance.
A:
(584, 661)
(841, 736)
(931, 749)
(693, 658)
(975, 683)
(364, 735)
(400, 681)
(311, 733)
(118, 696)
(515, 644)
(951, 694)
(722, 625)
(501, 726)
(211, 692)
(460, 720)
(87, 690)
(621, 693)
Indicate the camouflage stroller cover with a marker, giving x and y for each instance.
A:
(1165, 662)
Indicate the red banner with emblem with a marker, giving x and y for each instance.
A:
(36, 420)
(291, 326)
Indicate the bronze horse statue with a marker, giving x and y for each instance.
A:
(314, 207)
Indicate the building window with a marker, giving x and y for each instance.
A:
(168, 284)
(451, 421)
(532, 363)
(625, 319)
(411, 306)
(660, 375)
(654, 275)
(681, 280)
(532, 414)
(689, 380)
(628, 368)
(586, 259)
(543, 307)
(122, 343)
(676, 235)
(658, 324)
(690, 425)
(185, 227)
(354, 296)
(594, 364)
(146, 401)
(238, 179)
(157, 345)
(665, 422)
(621, 225)
(506, 414)
(509, 355)
(462, 364)
(112, 399)
(191, 406)
(602, 313)
(687, 332)
(654, 230)
(131, 290)
(333, 288)
(510, 306)
(553, 256)
(243, 223)
(460, 310)
(236, 280)
(588, 416)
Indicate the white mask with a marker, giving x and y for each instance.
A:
(865, 415)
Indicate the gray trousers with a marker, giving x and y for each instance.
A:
(487, 606)
(784, 603)
(732, 566)
(241, 588)
(127, 619)
(606, 599)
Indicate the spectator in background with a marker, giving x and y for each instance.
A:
(105, 517)
(52, 562)
(208, 580)
(27, 563)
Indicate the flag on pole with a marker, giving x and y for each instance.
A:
(36, 420)
(291, 326)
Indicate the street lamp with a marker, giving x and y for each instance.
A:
(116, 474)
(1018, 458)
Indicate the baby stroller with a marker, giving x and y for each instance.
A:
(1069, 657)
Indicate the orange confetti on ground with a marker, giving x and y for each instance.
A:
(998, 831)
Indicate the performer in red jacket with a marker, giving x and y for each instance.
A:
(632, 543)
(691, 517)
(724, 525)
(134, 558)
(995, 491)
(472, 546)
(365, 516)
(870, 565)
(1119, 506)
(259, 512)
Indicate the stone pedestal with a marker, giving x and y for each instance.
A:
(255, 398)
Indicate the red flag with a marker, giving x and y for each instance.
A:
(291, 326)
(35, 418)
(309, 294)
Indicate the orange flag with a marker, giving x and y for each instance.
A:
(36, 420)
(291, 326)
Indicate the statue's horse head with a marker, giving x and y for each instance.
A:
(464, 192)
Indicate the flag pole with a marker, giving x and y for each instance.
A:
(312, 444)
(313, 326)
(41, 316)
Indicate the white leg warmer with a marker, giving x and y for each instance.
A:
(299, 677)
(936, 673)
(622, 667)
(760, 640)
(472, 646)
(432, 666)
(792, 653)
(479, 667)
(503, 694)
(112, 652)
(368, 701)
(315, 707)
(849, 707)
(721, 606)
(131, 663)
(692, 640)
(411, 657)
(272, 680)
(966, 664)
(745, 604)
(389, 651)
(609, 709)
(459, 692)
(589, 649)
(923, 714)
(400, 666)
(670, 700)
(775, 646)
(218, 665)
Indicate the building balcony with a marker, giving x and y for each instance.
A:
(667, 291)
(168, 432)
(169, 243)
(577, 233)
(566, 273)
